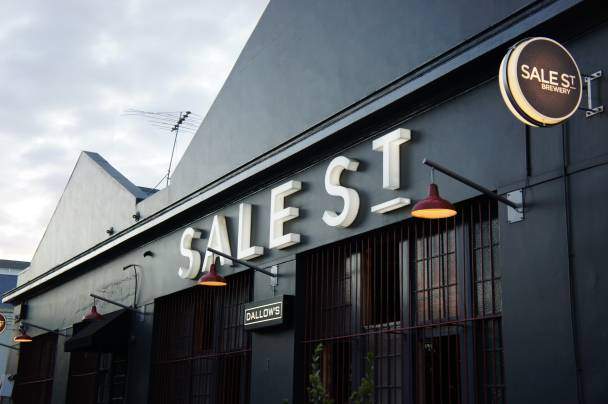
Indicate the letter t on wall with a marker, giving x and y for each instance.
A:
(389, 146)
(279, 214)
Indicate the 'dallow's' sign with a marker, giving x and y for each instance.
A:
(266, 313)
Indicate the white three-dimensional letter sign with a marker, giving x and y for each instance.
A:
(245, 250)
(194, 257)
(349, 195)
(218, 240)
(389, 146)
(279, 214)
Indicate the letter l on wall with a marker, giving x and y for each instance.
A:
(245, 250)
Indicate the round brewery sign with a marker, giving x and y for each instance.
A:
(2, 323)
(540, 82)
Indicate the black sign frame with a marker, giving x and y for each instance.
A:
(534, 99)
(267, 313)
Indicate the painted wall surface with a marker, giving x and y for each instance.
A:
(553, 285)
(96, 198)
(445, 134)
(306, 61)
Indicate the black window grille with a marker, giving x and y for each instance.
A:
(201, 353)
(97, 378)
(423, 296)
(82, 381)
(34, 382)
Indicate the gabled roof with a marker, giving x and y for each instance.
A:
(137, 192)
(96, 198)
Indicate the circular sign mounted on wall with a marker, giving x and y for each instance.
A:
(2, 323)
(540, 82)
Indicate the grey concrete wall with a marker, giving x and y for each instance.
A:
(92, 202)
(306, 61)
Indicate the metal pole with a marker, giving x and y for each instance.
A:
(173, 149)
(111, 302)
(466, 181)
(42, 328)
(134, 266)
(244, 263)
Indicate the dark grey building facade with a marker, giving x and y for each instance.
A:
(472, 309)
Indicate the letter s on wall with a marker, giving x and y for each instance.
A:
(349, 195)
(194, 257)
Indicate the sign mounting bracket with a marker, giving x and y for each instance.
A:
(590, 109)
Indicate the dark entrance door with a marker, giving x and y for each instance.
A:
(34, 382)
(97, 378)
(201, 352)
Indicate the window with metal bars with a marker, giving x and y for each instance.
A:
(423, 296)
(201, 353)
(34, 382)
(97, 378)
(82, 381)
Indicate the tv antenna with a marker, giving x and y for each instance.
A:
(176, 121)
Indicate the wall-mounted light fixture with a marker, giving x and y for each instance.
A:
(115, 303)
(110, 231)
(124, 306)
(434, 207)
(212, 278)
(136, 216)
(55, 331)
(22, 336)
(93, 314)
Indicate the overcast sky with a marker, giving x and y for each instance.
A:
(69, 70)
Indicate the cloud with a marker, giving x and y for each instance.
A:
(70, 69)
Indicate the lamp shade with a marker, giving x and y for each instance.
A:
(433, 206)
(22, 336)
(212, 278)
(93, 314)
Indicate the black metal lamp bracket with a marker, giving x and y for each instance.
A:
(590, 109)
(514, 200)
(515, 215)
(273, 273)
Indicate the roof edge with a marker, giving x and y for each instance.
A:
(450, 61)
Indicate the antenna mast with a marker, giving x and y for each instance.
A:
(185, 121)
(182, 117)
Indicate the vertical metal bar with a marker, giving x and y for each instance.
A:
(483, 300)
(440, 295)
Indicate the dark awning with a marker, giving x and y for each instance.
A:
(110, 334)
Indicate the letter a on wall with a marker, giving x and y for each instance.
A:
(218, 240)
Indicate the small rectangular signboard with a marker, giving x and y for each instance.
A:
(266, 313)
